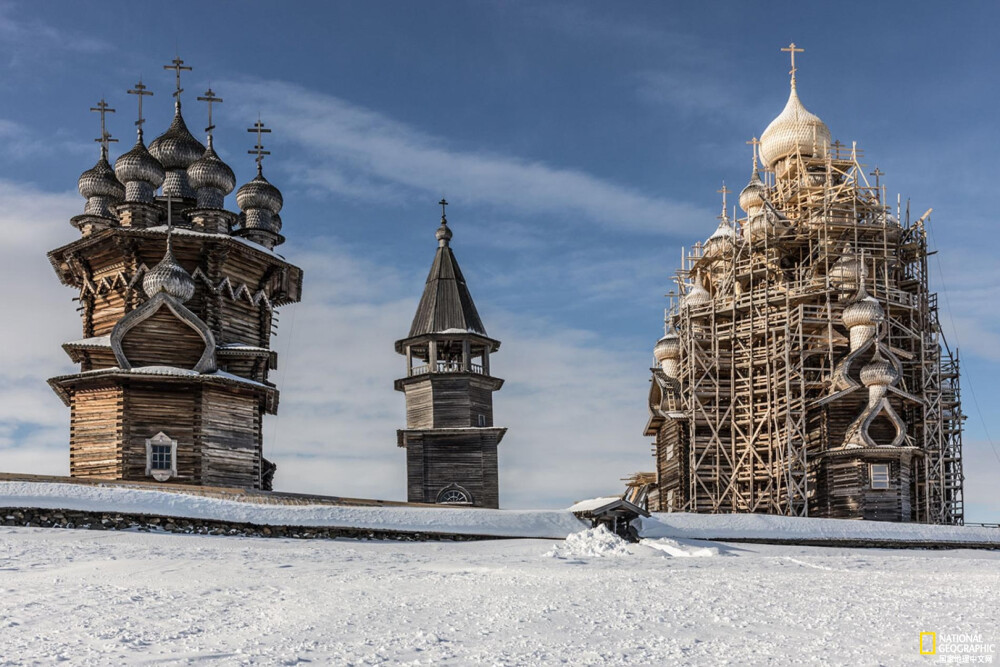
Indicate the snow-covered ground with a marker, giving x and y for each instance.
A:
(470, 521)
(111, 598)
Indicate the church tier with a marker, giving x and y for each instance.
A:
(803, 370)
(450, 440)
(178, 299)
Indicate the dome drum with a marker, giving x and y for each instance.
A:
(211, 178)
(141, 173)
(101, 189)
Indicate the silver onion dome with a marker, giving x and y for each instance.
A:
(260, 202)
(176, 149)
(722, 239)
(879, 372)
(101, 188)
(259, 194)
(795, 129)
(211, 178)
(170, 277)
(141, 173)
(443, 233)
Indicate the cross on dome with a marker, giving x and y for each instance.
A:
(211, 99)
(258, 148)
(755, 142)
(443, 203)
(140, 92)
(105, 138)
(178, 66)
(792, 50)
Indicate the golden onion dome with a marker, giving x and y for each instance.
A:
(795, 129)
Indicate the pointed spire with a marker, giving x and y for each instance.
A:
(446, 303)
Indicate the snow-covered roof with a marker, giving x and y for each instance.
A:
(95, 342)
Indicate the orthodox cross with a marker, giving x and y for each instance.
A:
(140, 91)
(177, 65)
(877, 173)
(724, 191)
(211, 99)
(443, 203)
(755, 142)
(103, 108)
(258, 148)
(792, 49)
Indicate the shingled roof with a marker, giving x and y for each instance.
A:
(446, 302)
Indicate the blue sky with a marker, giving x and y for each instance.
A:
(581, 144)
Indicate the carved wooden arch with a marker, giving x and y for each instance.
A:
(206, 364)
(878, 404)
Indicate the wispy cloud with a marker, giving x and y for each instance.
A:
(361, 153)
(23, 38)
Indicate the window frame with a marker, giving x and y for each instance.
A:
(877, 480)
(161, 439)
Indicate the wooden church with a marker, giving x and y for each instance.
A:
(178, 299)
(803, 370)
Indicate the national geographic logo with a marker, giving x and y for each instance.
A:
(961, 648)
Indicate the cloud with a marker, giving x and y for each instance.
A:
(22, 37)
(359, 153)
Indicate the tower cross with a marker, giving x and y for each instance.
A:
(139, 91)
(177, 65)
(105, 138)
(443, 203)
(211, 99)
(792, 49)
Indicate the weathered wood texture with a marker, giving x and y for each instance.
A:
(434, 461)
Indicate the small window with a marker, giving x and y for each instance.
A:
(453, 494)
(482, 420)
(670, 500)
(880, 475)
(668, 451)
(161, 457)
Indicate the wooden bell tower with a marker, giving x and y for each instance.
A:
(450, 440)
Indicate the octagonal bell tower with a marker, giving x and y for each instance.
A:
(450, 440)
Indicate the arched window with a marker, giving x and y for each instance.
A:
(453, 494)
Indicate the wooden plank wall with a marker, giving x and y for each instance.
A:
(231, 438)
(95, 433)
(175, 410)
(438, 460)
(163, 340)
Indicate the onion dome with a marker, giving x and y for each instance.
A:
(101, 188)
(141, 173)
(697, 295)
(879, 372)
(667, 352)
(795, 129)
(170, 277)
(211, 178)
(260, 202)
(668, 347)
(865, 312)
(176, 149)
(752, 196)
(723, 238)
(443, 233)
(848, 271)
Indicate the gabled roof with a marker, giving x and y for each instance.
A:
(446, 302)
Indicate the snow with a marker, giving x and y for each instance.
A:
(593, 504)
(96, 341)
(114, 598)
(765, 526)
(471, 521)
(594, 542)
